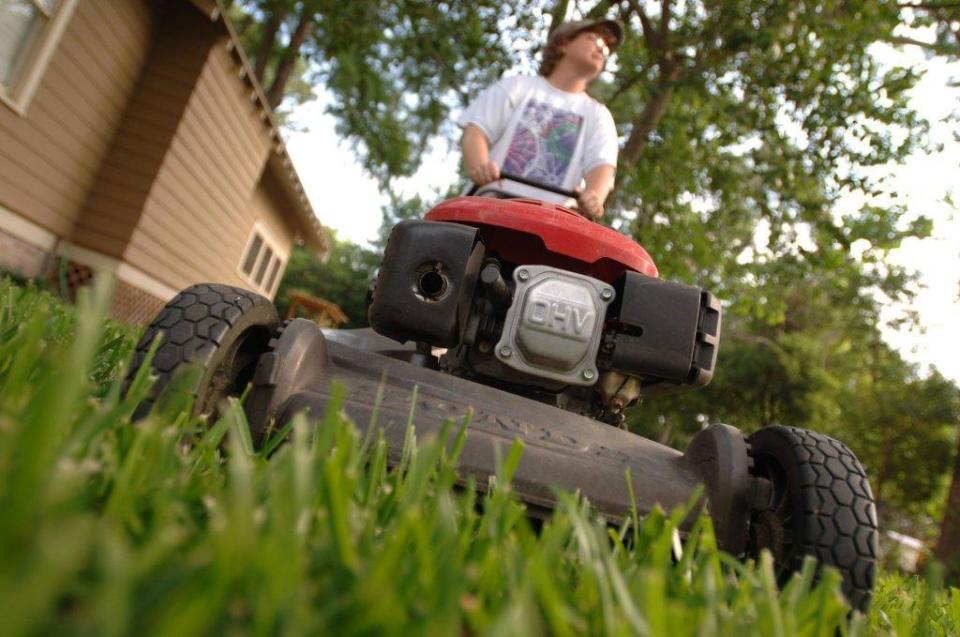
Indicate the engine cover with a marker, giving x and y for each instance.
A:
(554, 326)
(666, 333)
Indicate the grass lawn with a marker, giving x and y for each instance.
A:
(177, 527)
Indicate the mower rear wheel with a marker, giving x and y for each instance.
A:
(222, 330)
(821, 506)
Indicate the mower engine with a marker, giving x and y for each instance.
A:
(532, 298)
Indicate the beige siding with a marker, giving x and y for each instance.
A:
(266, 212)
(198, 215)
(268, 207)
(152, 118)
(21, 256)
(50, 158)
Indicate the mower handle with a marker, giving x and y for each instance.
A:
(530, 182)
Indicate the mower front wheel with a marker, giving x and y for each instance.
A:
(220, 330)
(821, 505)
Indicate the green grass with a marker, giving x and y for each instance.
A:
(109, 528)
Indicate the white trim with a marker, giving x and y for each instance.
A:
(91, 258)
(269, 240)
(22, 228)
(20, 95)
(268, 235)
(139, 278)
(121, 269)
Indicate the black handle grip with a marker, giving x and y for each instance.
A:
(532, 183)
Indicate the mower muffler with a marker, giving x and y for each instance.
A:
(425, 285)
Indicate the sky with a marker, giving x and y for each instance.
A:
(348, 201)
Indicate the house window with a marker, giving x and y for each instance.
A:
(253, 252)
(262, 262)
(274, 271)
(29, 32)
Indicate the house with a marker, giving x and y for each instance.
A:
(134, 139)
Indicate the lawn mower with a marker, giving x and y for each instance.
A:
(547, 326)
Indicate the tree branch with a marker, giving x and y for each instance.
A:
(447, 70)
(668, 74)
(625, 86)
(268, 40)
(665, 19)
(557, 15)
(948, 546)
(599, 10)
(707, 55)
(942, 49)
(649, 118)
(929, 6)
(289, 59)
(650, 37)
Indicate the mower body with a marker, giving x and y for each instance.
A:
(544, 326)
(525, 321)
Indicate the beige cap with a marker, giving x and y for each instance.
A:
(570, 29)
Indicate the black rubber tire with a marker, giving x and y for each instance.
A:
(220, 328)
(822, 506)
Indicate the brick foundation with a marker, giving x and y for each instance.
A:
(133, 305)
(21, 257)
(130, 304)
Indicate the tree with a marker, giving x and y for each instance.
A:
(343, 278)
(809, 353)
(392, 68)
(948, 546)
(942, 17)
(400, 207)
(273, 33)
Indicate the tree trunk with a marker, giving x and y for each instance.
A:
(289, 59)
(599, 11)
(648, 120)
(557, 14)
(267, 41)
(669, 72)
(948, 547)
(883, 473)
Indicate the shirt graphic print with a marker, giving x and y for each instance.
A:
(543, 143)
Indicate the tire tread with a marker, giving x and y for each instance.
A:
(194, 324)
(839, 520)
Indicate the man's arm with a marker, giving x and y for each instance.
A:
(599, 183)
(476, 156)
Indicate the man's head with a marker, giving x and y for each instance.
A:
(588, 41)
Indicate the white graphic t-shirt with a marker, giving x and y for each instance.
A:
(542, 133)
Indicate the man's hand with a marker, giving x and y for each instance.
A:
(483, 173)
(476, 156)
(598, 186)
(591, 205)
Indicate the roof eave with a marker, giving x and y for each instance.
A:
(312, 231)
